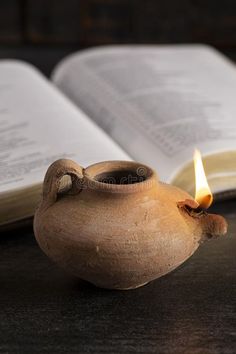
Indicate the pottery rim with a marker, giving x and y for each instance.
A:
(133, 176)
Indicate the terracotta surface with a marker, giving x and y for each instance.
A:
(117, 226)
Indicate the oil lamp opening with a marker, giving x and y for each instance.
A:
(121, 177)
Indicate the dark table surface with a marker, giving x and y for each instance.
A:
(192, 310)
(44, 310)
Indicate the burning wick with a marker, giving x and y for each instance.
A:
(203, 193)
(213, 225)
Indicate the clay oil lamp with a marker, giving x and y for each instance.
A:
(117, 226)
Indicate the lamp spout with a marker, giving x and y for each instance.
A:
(213, 226)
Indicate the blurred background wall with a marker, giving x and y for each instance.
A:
(67, 25)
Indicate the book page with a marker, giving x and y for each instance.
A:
(157, 102)
(38, 125)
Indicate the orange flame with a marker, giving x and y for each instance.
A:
(203, 193)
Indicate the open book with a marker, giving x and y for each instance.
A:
(153, 104)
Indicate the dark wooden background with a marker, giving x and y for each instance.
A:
(83, 23)
(45, 31)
